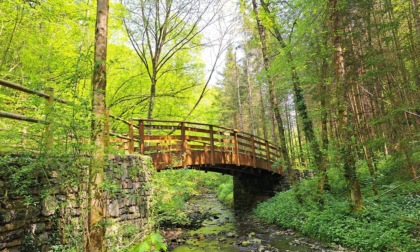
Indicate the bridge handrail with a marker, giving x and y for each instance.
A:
(148, 136)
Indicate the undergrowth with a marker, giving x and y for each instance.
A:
(387, 223)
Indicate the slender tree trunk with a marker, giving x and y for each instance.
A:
(345, 126)
(241, 120)
(323, 179)
(250, 101)
(96, 229)
(300, 102)
(299, 134)
(152, 98)
(263, 114)
(272, 97)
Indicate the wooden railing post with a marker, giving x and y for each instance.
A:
(212, 145)
(254, 158)
(141, 133)
(267, 154)
(236, 145)
(131, 136)
(49, 114)
(183, 144)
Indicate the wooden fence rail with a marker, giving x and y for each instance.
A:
(48, 96)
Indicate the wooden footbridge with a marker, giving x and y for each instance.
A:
(177, 144)
(253, 161)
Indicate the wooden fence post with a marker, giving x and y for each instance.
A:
(254, 158)
(267, 154)
(183, 144)
(212, 145)
(236, 145)
(141, 133)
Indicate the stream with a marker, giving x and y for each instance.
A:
(218, 228)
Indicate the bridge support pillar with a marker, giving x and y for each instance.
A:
(249, 190)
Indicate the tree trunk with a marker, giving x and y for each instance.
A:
(272, 97)
(299, 100)
(152, 98)
(241, 120)
(249, 86)
(96, 230)
(323, 178)
(345, 126)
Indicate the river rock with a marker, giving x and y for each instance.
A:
(252, 234)
(256, 241)
(231, 234)
(246, 243)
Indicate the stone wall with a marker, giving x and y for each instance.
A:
(48, 212)
(127, 207)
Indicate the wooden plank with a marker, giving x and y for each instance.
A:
(254, 164)
(161, 138)
(211, 145)
(141, 136)
(196, 147)
(162, 127)
(20, 117)
(235, 140)
(162, 148)
(267, 153)
(29, 91)
(197, 130)
(183, 144)
(197, 138)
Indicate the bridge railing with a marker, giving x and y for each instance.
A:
(161, 136)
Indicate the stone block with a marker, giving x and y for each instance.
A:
(133, 209)
(49, 205)
(114, 209)
(136, 185)
(43, 238)
(38, 227)
(7, 216)
(127, 184)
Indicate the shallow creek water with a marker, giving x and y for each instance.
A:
(223, 230)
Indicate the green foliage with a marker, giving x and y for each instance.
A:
(172, 188)
(387, 223)
(225, 193)
(152, 243)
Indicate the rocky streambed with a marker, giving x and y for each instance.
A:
(217, 228)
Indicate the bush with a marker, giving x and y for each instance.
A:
(386, 224)
(225, 193)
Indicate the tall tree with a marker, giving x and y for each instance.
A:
(96, 228)
(271, 94)
(343, 105)
(299, 98)
(159, 30)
